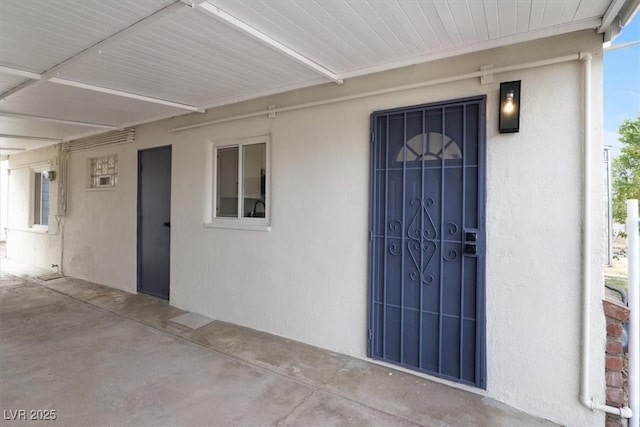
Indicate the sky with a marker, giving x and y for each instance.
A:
(621, 83)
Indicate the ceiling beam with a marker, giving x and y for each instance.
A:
(610, 15)
(55, 120)
(19, 73)
(12, 149)
(96, 48)
(621, 45)
(32, 138)
(35, 76)
(236, 23)
(125, 94)
(629, 11)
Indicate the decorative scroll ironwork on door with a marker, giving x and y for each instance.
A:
(427, 239)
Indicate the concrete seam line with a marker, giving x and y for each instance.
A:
(302, 402)
(315, 387)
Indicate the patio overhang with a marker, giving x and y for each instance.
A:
(69, 69)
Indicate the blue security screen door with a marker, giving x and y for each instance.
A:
(427, 239)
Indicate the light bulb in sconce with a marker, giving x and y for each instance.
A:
(508, 103)
(509, 107)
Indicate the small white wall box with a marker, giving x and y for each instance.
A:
(105, 181)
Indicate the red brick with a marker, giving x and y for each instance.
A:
(614, 421)
(614, 330)
(614, 347)
(614, 379)
(615, 397)
(615, 310)
(614, 363)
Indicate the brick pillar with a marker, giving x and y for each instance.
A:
(616, 315)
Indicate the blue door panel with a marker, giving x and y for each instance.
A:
(468, 364)
(410, 346)
(470, 296)
(427, 239)
(154, 221)
(430, 342)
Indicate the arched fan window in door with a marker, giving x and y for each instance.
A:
(435, 144)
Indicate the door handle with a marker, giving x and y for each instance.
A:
(167, 224)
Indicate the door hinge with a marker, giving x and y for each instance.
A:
(370, 235)
(373, 137)
(369, 335)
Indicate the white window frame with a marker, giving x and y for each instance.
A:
(240, 222)
(32, 217)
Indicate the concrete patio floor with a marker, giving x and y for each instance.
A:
(99, 356)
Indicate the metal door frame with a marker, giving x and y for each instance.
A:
(139, 218)
(481, 347)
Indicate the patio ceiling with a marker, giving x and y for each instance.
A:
(72, 68)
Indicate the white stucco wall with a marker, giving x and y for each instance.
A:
(36, 246)
(100, 227)
(534, 207)
(4, 199)
(306, 278)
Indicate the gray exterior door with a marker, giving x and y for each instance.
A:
(154, 221)
(427, 239)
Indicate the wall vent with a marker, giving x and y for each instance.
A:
(109, 138)
(105, 181)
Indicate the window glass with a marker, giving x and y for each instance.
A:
(227, 179)
(254, 180)
(241, 179)
(41, 202)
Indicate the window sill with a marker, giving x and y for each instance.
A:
(37, 229)
(239, 224)
(100, 188)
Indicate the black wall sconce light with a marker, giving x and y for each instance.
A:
(509, 117)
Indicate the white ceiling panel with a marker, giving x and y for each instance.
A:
(192, 59)
(115, 62)
(591, 8)
(461, 11)
(15, 134)
(553, 13)
(9, 146)
(431, 17)
(536, 15)
(319, 33)
(62, 102)
(7, 81)
(383, 32)
(507, 17)
(491, 15)
(449, 22)
(38, 34)
(569, 11)
(26, 127)
(523, 15)
(379, 24)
